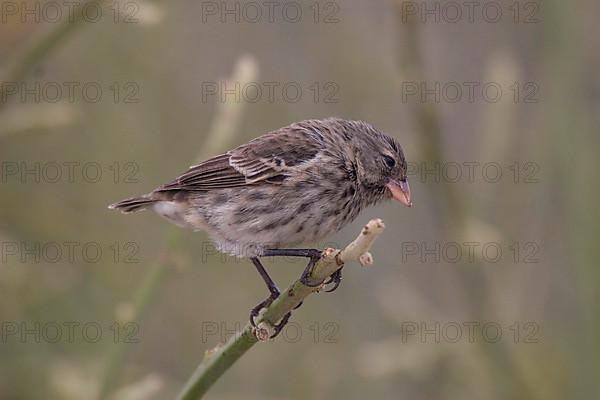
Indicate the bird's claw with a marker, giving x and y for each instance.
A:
(256, 310)
(305, 278)
(264, 304)
(336, 279)
(278, 327)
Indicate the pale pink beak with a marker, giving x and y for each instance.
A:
(400, 191)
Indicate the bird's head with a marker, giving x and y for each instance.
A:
(381, 164)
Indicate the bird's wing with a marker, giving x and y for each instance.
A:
(270, 158)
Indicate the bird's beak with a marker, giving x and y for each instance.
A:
(400, 191)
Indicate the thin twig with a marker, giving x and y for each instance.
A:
(218, 360)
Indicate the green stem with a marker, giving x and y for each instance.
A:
(219, 360)
(215, 364)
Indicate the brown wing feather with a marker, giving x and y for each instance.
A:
(213, 173)
(266, 159)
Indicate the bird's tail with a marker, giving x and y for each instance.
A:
(133, 204)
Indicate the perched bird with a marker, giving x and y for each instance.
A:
(291, 186)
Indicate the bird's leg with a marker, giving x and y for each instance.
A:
(265, 275)
(274, 293)
(314, 256)
(309, 253)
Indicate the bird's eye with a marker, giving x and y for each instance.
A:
(389, 161)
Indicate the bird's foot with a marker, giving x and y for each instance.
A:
(335, 278)
(254, 313)
(305, 278)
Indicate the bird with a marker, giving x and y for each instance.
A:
(292, 186)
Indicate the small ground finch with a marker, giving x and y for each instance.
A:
(297, 184)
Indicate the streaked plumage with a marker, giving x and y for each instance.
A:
(295, 185)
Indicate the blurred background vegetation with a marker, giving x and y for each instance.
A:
(168, 293)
